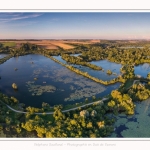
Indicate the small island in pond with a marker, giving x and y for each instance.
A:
(80, 88)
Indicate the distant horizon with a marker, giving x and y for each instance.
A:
(82, 39)
(75, 25)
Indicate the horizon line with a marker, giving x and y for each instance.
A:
(71, 39)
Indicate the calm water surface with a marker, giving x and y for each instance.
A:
(142, 69)
(55, 84)
(134, 126)
(3, 55)
(106, 65)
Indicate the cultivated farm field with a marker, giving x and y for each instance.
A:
(50, 44)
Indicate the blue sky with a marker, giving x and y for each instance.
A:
(77, 25)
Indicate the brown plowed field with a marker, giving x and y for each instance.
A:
(53, 44)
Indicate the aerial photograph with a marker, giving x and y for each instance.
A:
(74, 74)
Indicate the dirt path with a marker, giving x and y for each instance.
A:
(48, 113)
(133, 83)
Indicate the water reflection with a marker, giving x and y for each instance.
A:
(40, 79)
(142, 69)
(106, 65)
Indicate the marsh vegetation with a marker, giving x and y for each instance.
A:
(61, 80)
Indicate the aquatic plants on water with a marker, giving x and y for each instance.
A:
(38, 90)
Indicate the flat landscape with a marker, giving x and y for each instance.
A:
(60, 78)
(49, 44)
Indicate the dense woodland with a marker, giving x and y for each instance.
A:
(78, 61)
(86, 122)
(122, 56)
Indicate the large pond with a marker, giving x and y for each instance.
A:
(105, 64)
(136, 125)
(40, 79)
(142, 69)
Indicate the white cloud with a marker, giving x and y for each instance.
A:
(16, 16)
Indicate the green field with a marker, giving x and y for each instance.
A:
(129, 83)
(10, 44)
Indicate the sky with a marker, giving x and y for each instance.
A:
(75, 25)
